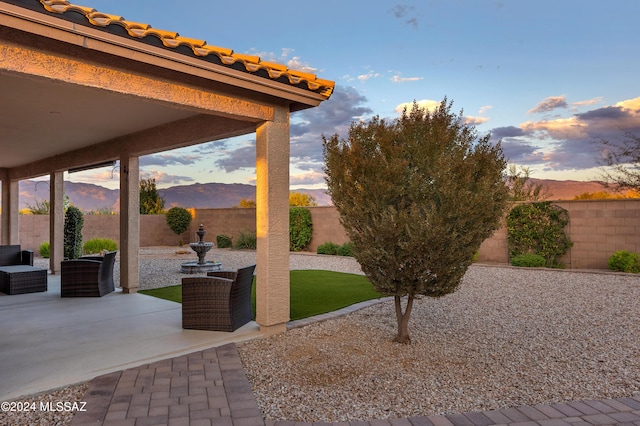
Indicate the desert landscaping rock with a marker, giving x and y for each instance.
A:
(508, 337)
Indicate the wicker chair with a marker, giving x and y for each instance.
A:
(89, 276)
(221, 301)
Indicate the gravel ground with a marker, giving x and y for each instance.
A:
(508, 337)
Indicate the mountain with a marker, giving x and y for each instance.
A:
(568, 189)
(90, 197)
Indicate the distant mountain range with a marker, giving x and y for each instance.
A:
(90, 197)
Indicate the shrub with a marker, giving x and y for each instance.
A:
(73, 222)
(530, 260)
(300, 228)
(328, 248)
(346, 249)
(624, 261)
(223, 241)
(45, 249)
(247, 240)
(96, 245)
(178, 219)
(538, 228)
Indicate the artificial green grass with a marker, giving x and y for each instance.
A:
(312, 292)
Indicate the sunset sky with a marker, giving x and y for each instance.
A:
(548, 78)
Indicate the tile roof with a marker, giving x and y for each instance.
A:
(189, 46)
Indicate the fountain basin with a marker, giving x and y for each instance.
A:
(196, 267)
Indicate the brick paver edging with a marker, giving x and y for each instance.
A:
(210, 387)
(201, 388)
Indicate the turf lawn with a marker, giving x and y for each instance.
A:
(312, 292)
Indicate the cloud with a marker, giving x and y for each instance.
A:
(285, 57)
(569, 143)
(427, 104)
(484, 109)
(308, 178)
(168, 160)
(474, 121)
(587, 102)
(164, 179)
(243, 157)
(549, 104)
(398, 79)
(507, 132)
(405, 13)
(333, 116)
(369, 75)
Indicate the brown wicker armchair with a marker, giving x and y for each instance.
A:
(221, 301)
(90, 276)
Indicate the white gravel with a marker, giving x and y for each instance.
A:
(508, 337)
(154, 273)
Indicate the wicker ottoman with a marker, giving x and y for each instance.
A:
(18, 279)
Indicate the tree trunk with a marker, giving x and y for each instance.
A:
(403, 320)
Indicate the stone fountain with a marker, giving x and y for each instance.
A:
(201, 248)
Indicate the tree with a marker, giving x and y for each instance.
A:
(178, 219)
(150, 200)
(521, 188)
(417, 196)
(298, 199)
(538, 228)
(622, 161)
(41, 207)
(73, 223)
(246, 203)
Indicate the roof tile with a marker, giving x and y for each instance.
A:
(199, 48)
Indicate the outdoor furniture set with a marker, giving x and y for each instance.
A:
(17, 273)
(88, 276)
(221, 301)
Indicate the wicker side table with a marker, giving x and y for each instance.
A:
(19, 279)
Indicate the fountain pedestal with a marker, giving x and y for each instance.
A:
(201, 248)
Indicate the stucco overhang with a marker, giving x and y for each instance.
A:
(78, 86)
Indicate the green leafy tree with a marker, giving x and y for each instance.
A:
(417, 196)
(538, 228)
(73, 223)
(150, 200)
(300, 228)
(178, 219)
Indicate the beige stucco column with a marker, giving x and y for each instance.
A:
(272, 223)
(129, 223)
(10, 211)
(56, 221)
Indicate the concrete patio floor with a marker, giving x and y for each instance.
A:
(47, 342)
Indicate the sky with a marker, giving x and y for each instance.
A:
(549, 79)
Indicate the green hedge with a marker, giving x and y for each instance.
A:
(624, 261)
(96, 245)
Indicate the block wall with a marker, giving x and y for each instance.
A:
(597, 229)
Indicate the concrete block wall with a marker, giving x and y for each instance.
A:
(597, 229)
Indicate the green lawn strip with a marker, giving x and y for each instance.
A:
(312, 292)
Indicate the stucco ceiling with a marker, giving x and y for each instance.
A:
(40, 119)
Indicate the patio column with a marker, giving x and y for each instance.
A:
(10, 210)
(56, 221)
(272, 223)
(129, 223)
